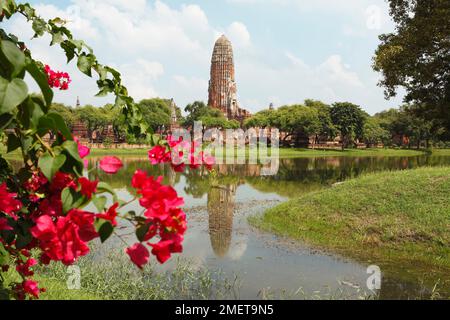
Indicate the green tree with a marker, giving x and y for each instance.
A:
(195, 111)
(95, 118)
(298, 121)
(66, 112)
(262, 119)
(349, 120)
(328, 130)
(374, 133)
(417, 57)
(156, 112)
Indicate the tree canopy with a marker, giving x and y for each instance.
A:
(417, 57)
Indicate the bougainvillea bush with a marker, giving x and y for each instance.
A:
(43, 216)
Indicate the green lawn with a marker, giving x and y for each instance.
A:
(390, 219)
(284, 152)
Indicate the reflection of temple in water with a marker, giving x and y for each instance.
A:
(221, 201)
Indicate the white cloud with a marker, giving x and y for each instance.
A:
(238, 34)
(139, 77)
(334, 70)
(165, 51)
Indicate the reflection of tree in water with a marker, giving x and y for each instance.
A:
(221, 202)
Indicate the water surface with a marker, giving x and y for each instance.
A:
(219, 237)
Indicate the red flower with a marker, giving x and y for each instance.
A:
(24, 268)
(87, 187)
(62, 181)
(31, 287)
(163, 214)
(111, 165)
(139, 254)
(65, 240)
(139, 178)
(162, 250)
(4, 225)
(159, 154)
(110, 215)
(179, 167)
(59, 80)
(8, 204)
(172, 142)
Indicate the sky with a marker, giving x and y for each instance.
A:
(285, 51)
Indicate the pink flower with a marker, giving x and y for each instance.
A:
(139, 254)
(31, 287)
(83, 151)
(111, 165)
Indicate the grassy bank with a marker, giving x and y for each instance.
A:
(283, 152)
(388, 218)
(107, 274)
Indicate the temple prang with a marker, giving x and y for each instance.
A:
(222, 85)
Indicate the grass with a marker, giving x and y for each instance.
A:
(112, 276)
(391, 219)
(283, 153)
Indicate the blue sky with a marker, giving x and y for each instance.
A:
(285, 50)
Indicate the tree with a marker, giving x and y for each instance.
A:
(95, 118)
(195, 111)
(262, 119)
(349, 120)
(417, 57)
(66, 112)
(328, 130)
(156, 112)
(298, 121)
(374, 133)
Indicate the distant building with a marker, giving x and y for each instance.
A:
(222, 85)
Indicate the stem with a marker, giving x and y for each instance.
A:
(121, 239)
(45, 145)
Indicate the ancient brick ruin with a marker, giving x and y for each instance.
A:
(222, 85)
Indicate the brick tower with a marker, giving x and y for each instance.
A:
(222, 86)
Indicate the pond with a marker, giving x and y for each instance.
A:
(266, 266)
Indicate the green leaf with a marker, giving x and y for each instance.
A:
(14, 55)
(85, 64)
(142, 231)
(49, 165)
(41, 79)
(100, 203)
(71, 199)
(104, 187)
(105, 231)
(55, 122)
(13, 142)
(4, 255)
(5, 120)
(57, 38)
(72, 149)
(30, 113)
(39, 26)
(23, 240)
(69, 49)
(12, 94)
